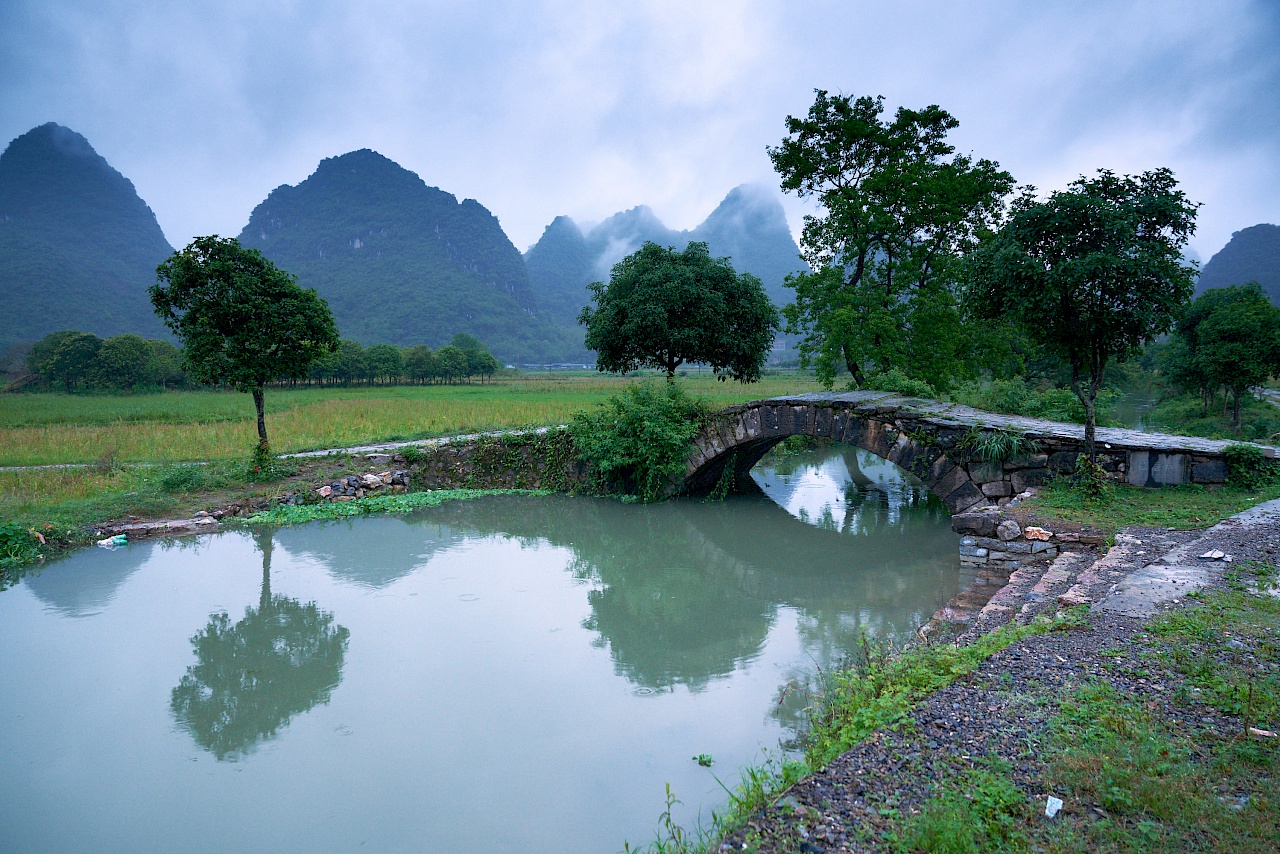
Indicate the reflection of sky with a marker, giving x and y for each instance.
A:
(828, 493)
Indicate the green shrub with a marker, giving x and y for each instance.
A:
(17, 544)
(182, 479)
(413, 454)
(1017, 397)
(998, 446)
(896, 381)
(638, 441)
(1248, 467)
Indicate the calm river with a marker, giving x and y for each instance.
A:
(502, 675)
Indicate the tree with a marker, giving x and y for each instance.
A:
(384, 362)
(123, 362)
(72, 360)
(1091, 273)
(42, 351)
(662, 308)
(418, 364)
(898, 208)
(486, 365)
(1228, 338)
(166, 363)
(350, 361)
(451, 364)
(241, 320)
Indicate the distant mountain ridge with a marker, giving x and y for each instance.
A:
(401, 262)
(1252, 255)
(749, 227)
(78, 247)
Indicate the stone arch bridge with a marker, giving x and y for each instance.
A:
(937, 442)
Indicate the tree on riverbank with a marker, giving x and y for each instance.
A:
(897, 209)
(1091, 273)
(662, 308)
(1229, 339)
(242, 321)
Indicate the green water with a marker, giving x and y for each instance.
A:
(502, 675)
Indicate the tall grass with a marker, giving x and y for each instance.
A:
(214, 425)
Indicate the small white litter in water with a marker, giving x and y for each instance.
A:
(1052, 807)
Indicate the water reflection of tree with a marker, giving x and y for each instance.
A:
(669, 609)
(251, 678)
(686, 591)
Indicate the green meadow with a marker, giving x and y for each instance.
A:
(44, 429)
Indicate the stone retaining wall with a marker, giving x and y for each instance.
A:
(993, 538)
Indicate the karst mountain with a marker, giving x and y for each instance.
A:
(401, 262)
(78, 247)
(1252, 255)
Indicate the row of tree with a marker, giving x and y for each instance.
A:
(387, 364)
(70, 361)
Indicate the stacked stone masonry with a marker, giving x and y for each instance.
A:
(935, 441)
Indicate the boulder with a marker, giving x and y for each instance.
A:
(977, 524)
(1008, 530)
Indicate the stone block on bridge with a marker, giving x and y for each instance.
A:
(1212, 471)
(1152, 468)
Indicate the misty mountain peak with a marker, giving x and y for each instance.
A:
(78, 247)
(1252, 255)
(749, 227)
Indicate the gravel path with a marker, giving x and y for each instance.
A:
(1003, 708)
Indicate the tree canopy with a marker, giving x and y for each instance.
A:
(898, 208)
(662, 308)
(1091, 273)
(242, 321)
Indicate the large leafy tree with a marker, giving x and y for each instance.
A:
(662, 308)
(242, 321)
(897, 208)
(1091, 272)
(1228, 338)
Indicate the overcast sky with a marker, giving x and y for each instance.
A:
(587, 108)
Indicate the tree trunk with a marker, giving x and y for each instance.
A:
(258, 396)
(851, 364)
(1235, 409)
(1088, 399)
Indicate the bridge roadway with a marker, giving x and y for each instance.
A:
(937, 442)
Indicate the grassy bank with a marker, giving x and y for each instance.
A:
(41, 429)
(1160, 782)
(1181, 508)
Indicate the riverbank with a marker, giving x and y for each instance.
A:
(1151, 717)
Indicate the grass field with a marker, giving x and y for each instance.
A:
(41, 429)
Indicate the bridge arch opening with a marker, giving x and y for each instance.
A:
(728, 448)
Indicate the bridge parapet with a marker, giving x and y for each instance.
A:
(936, 442)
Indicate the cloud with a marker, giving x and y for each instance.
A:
(587, 108)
